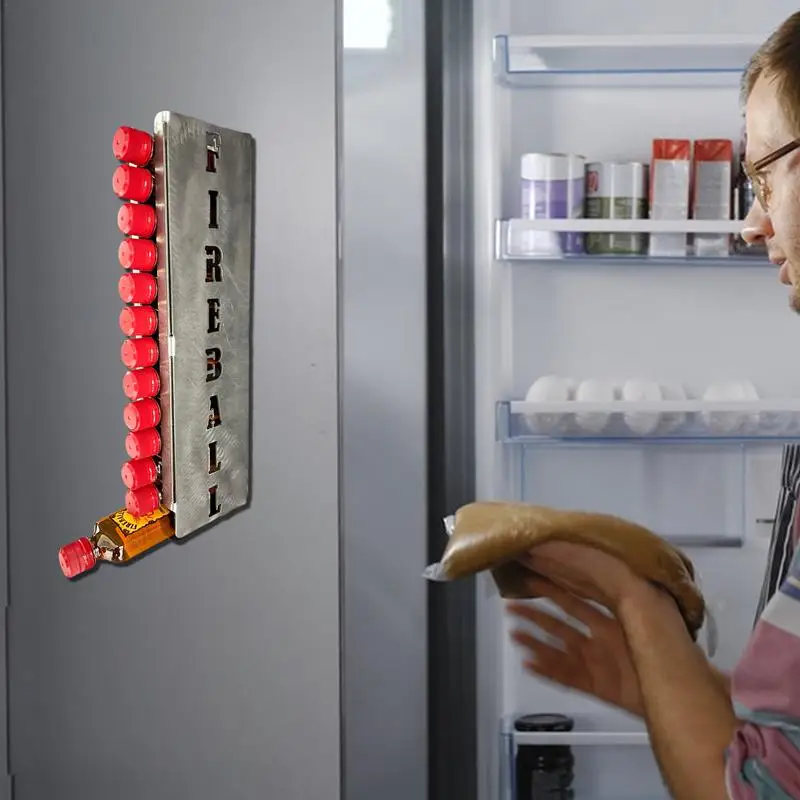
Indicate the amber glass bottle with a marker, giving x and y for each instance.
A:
(117, 538)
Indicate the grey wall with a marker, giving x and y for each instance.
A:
(208, 670)
(384, 414)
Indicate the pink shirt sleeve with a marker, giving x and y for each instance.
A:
(763, 761)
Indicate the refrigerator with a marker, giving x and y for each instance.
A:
(567, 323)
(402, 310)
(284, 653)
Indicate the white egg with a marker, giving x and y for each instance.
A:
(642, 423)
(753, 419)
(549, 389)
(673, 392)
(594, 391)
(723, 422)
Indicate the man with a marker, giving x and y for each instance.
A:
(714, 736)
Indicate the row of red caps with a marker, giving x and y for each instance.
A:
(133, 182)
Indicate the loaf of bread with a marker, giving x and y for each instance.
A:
(492, 536)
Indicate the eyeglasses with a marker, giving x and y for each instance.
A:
(755, 172)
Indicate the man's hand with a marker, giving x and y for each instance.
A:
(596, 662)
(585, 571)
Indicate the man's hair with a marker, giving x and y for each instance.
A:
(778, 60)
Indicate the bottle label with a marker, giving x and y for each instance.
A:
(128, 524)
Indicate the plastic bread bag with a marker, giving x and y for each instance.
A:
(492, 536)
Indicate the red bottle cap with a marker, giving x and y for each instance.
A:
(132, 183)
(132, 146)
(137, 220)
(142, 414)
(141, 383)
(138, 320)
(142, 501)
(139, 472)
(138, 254)
(137, 353)
(76, 557)
(137, 287)
(143, 444)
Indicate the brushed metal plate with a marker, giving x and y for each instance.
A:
(204, 197)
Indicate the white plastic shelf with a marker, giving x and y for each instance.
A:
(585, 738)
(671, 59)
(520, 422)
(731, 226)
(538, 240)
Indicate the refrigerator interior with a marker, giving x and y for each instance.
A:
(676, 321)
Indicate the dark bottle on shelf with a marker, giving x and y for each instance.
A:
(544, 771)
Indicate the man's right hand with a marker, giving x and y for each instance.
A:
(596, 662)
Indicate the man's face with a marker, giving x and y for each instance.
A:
(779, 227)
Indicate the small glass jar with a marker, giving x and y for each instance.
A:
(544, 772)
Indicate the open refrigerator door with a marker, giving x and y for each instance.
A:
(628, 346)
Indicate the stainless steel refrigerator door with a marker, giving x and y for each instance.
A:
(210, 669)
(384, 400)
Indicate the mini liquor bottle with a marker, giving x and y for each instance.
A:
(117, 538)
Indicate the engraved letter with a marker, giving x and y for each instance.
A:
(214, 417)
(214, 507)
(213, 264)
(213, 364)
(213, 208)
(213, 461)
(212, 148)
(213, 315)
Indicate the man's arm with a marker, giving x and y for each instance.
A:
(723, 678)
(688, 710)
(710, 744)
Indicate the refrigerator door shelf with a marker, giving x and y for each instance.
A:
(621, 744)
(688, 542)
(584, 738)
(660, 59)
(539, 240)
(573, 421)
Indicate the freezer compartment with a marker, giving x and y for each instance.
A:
(652, 59)
(603, 757)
